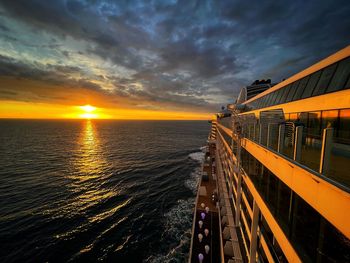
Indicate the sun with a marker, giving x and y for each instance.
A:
(88, 109)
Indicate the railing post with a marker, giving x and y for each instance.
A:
(326, 150)
(268, 139)
(254, 234)
(298, 143)
(260, 133)
(254, 132)
(280, 145)
(239, 183)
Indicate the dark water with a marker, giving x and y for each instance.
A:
(87, 191)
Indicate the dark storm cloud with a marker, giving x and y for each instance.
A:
(50, 74)
(196, 53)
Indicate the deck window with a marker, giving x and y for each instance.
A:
(272, 192)
(274, 95)
(292, 91)
(283, 206)
(268, 98)
(344, 125)
(311, 84)
(341, 76)
(301, 88)
(329, 119)
(285, 93)
(325, 78)
(264, 100)
(278, 97)
(314, 124)
(335, 246)
(305, 229)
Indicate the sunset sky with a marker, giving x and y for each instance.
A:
(154, 59)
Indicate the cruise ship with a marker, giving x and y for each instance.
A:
(275, 185)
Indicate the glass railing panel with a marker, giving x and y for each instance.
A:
(288, 140)
(273, 136)
(263, 134)
(338, 169)
(311, 151)
(226, 122)
(256, 132)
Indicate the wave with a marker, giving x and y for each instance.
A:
(198, 156)
(178, 221)
(193, 181)
(177, 234)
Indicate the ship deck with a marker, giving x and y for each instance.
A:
(206, 188)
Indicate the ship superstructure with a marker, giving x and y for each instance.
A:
(282, 169)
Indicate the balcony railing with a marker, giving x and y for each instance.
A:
(320, 154)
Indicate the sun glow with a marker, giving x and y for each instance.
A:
(88, 109)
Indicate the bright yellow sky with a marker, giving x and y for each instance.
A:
(29, 110)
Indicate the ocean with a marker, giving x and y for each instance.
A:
(98, 190)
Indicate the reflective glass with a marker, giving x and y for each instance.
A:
(325, 78)
(292, 91)
(285, 93)
(301, 88)
(311, 84)
(341, 76)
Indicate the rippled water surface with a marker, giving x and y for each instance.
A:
(83, 191)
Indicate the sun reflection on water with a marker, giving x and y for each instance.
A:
(91, 159)
(90, 171)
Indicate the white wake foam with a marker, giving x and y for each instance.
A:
(197, 156)
(193, 181)
(178, 222)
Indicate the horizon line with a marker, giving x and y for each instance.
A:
(104, 119)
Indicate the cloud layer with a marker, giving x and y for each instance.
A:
(193, 55)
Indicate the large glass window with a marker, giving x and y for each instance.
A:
(344, 126)
(301, 88)
(263, 102)
(311, 84)
(277, 99)
(334, 246)
(285, 93)
(258, 103)
(268, 99)
(274, 95)
(329, 120)
(314, 125)
(305, 229)
(293, 88)
(283, 206)
(341, 76)
(325, 78)
(338, 168)
(272, 192)
(312, 144)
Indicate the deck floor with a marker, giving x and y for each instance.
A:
(211, 220)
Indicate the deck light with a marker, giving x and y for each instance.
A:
(207, 248)
(200, 257)
(200, 237)
(200, 223)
